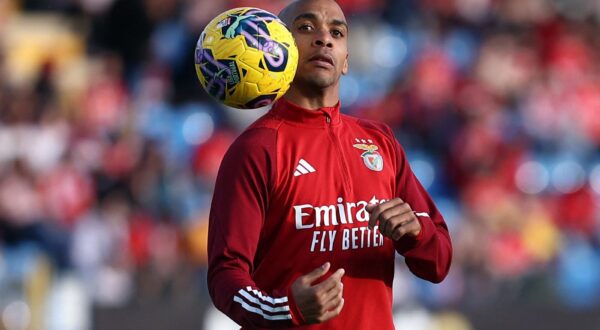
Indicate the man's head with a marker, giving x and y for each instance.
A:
(320, 30)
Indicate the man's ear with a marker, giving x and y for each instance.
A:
(345, 66)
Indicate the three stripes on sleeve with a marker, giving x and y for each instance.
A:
(268, 307)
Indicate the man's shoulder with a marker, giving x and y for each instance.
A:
(259, 135)
(268, 121)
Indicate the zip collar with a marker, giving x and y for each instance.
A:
(298, 115)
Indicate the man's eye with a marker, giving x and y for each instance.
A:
(305, 27)
(337, 33)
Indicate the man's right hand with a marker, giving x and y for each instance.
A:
(321, 302)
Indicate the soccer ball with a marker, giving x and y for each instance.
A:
(246, 58)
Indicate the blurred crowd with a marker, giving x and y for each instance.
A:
(109, 148)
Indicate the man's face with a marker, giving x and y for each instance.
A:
(320, 30)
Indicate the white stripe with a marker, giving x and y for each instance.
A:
(301, 169)
(267, 298)
(307, 165)
(297, 173)
(252, 309)
(422, 214)
(267, 308)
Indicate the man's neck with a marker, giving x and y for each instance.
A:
(313, 99)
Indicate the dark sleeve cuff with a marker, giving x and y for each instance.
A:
(408, 243)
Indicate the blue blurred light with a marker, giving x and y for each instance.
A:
(349, 90)
(579, 274)
(389, 51)
(424, 171)
(595, 178)
(197, 128)
(568, 176)
(461, 46)
(532, 177)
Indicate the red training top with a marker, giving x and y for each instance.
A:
(291, 195)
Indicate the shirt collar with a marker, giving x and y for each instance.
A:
(306, 117)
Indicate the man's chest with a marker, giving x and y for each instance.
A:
(324, 165)
(325, 179)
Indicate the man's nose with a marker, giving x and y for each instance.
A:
(323, 39)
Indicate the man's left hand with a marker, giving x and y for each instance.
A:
(396, 219)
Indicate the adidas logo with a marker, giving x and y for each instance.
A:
(303, 168)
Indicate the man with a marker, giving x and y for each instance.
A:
(310, 205)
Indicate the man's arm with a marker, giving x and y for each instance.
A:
(414, 223)
(238, 209)
(429, 254)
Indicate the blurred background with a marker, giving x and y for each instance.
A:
(109, 150)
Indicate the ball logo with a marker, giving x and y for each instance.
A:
(253, 27)
(370, 156)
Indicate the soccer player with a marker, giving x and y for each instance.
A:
(311, 205)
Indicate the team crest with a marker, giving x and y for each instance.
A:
(370, 156)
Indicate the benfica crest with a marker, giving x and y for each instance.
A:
(371, 157)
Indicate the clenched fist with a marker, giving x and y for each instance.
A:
(396, 219)
(321, 302)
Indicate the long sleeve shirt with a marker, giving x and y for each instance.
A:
(291, 195)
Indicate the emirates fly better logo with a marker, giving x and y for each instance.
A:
(370, 156)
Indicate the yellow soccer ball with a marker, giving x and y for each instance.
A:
(246, 58)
